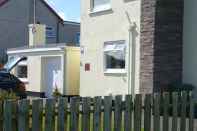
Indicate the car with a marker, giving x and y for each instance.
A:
(9, 82)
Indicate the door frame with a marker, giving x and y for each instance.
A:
(62, 58)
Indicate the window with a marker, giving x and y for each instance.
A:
(21, 71)
(77, 39)
(114, 57)
(100, 5)
(50, 32)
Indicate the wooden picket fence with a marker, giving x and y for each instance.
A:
(141, 113)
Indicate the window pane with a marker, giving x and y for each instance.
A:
(109, 47)
(100, 2)
(114, 54)
(22, 71)
(115, 60)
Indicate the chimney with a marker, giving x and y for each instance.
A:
(37, 34)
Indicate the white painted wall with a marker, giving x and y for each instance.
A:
(34, 74)
(97, 28)
(190, 43)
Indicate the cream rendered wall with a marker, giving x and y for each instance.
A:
(96, 28)
(190, 43)
(34, 74)
(72, 70)
(37, 35)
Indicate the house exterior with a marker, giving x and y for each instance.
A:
(136, 46)
(16, 15)
(47, 68)
(100, 26)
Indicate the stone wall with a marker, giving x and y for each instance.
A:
(161, 44)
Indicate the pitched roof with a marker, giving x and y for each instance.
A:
(2, 2)
(52, 10)
(57, 15)
(71, 23)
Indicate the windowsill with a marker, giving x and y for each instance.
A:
(115, 71)
(101, 10)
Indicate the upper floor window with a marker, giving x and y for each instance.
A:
(100, 5)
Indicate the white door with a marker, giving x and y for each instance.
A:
(52, 75)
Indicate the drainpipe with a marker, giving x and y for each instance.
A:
(34, 13)
(131, 57)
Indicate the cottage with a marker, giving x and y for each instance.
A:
(136, 46)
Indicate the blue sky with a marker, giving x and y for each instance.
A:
(67, 9)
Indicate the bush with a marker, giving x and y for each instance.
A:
(7, 95)
(56, 93)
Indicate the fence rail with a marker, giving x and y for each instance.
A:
(140, 113)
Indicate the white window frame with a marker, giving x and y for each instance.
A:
(111, 70)
(100, 8)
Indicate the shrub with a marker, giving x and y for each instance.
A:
(56, 93)
(7, 95)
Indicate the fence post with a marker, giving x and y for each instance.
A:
(97, 114)
(1, 115)
(37, 115)
(147, 112)
(137, 112)
(74, 117)
(107, 113)
(191, 114)
(118, 113)
(165, 106)
(50, 115)
(86, 114)
(128, 113)
(15, 114)
(183, 111)
(156, 116)
(23, 115)
(62, 114)
(174, 111)
(7, 114)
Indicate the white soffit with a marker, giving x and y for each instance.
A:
(35, 51)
